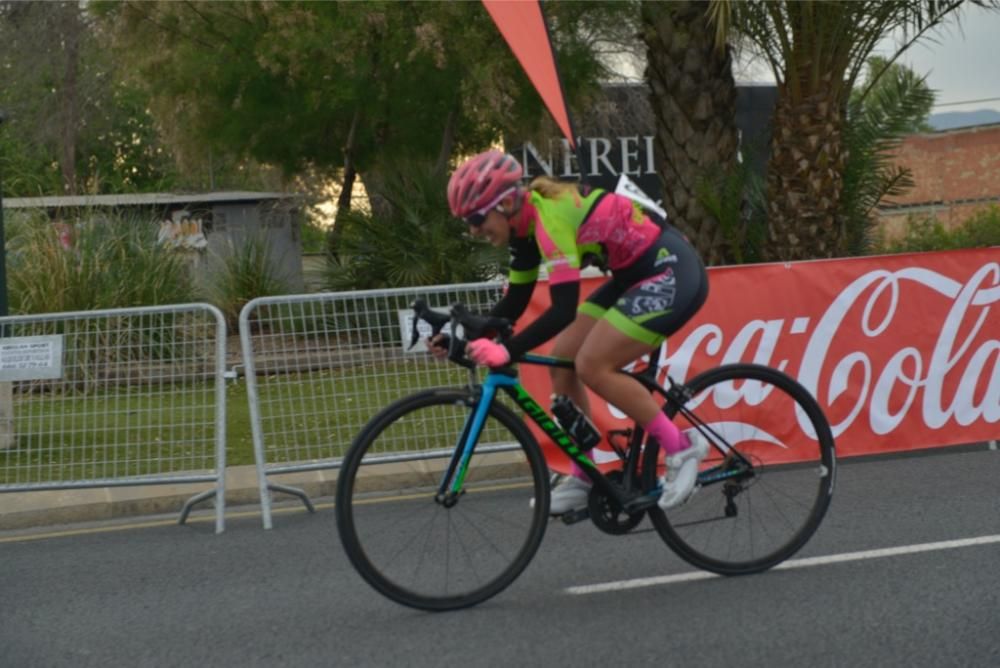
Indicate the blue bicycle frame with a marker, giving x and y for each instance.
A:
(506, 379)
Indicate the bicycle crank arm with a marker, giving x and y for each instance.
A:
(574, 516)
(641, 503)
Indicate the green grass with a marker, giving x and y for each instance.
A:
(330, 408)
(122, 433)
(110, 435)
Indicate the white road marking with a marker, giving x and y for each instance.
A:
(793, 563)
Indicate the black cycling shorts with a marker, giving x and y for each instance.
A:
(654, 296)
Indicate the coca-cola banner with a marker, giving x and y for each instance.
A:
(902, 352)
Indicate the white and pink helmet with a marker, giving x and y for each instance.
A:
(481, 182)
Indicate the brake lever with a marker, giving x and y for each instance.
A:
(414, 333)
(437, 321)
(456, 345)
(477, 326)
(420, 309)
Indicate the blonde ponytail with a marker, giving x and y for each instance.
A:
(549, 188)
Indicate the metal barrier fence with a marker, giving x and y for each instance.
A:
(114, 398)
(319, 366)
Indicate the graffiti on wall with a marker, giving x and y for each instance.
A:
(183, 231)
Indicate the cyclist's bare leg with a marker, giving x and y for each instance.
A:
(598, 360)
(566, 381)
(602, 354)
(567, 345)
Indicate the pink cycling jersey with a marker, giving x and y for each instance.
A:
(567, 228)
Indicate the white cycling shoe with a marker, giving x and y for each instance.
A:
(570, 494)
(682, 471)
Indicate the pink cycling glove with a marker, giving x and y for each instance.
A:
(487, 353)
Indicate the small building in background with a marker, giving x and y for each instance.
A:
(206, 227)
(956, 173)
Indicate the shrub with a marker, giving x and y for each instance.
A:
(244, 272)
(735, 198)
(314, 236)
(981, 230)
(94, 263)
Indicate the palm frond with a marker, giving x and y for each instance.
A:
(417, 243)
(878, 120)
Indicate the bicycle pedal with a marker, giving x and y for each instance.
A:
(574, 516)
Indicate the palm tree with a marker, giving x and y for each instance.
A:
(693, 96)
(816, 51)
(880, 115)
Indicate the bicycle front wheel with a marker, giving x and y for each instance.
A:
(768, 478)
(419, 548)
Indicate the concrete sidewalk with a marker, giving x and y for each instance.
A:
(25, 510)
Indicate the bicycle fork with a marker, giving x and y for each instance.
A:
(451, 487)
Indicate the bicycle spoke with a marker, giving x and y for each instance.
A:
(751, 413)
(441, 554)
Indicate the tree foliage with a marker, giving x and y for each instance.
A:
(324, 83)
(884, 81)
(72, 125)
(211, 91)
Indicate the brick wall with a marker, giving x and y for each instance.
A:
(957, 172)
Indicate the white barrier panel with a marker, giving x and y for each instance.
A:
(114, 398)
(319, 366)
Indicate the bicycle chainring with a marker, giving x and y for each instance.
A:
(607, 515)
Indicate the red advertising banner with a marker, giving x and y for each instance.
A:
(902, 352)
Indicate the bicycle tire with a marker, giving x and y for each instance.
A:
(772, 514)
(415, 550)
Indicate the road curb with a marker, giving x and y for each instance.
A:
(32, 509)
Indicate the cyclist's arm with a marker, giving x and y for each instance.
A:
(557, 248)
(564, 298)
(524, 261)
(514, 302)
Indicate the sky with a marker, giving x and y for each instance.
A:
(962, 61)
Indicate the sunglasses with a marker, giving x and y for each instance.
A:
(477, 219)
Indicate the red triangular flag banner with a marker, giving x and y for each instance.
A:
(522, 25)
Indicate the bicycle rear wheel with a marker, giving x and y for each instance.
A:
(404, 539)
(768, 478)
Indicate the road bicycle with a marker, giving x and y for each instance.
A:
(443, 497)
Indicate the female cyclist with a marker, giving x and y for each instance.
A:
(657, 283)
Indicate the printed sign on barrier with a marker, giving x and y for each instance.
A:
(902, 352)
(31, 357)
(405, 318)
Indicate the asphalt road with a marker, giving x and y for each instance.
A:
(158, 594)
